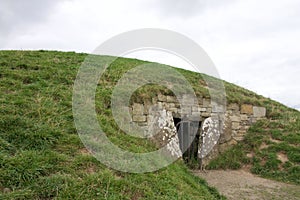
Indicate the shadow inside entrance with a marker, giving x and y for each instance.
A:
(189, 135)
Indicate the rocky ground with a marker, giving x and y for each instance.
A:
(241, 184)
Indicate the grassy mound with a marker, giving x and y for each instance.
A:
(271, 148)
(41, 155)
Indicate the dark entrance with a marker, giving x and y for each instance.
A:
(188, 133)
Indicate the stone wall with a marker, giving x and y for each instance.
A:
(156, 115)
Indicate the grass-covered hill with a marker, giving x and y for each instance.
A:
(42, 157)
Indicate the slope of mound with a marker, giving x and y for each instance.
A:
(271, 148)
(41, 155)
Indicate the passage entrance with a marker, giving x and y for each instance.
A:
(188, 134)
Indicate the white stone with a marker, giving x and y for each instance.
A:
(259, 111)
(202, 109)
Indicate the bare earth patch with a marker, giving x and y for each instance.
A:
(263, 146)
(282, 157)
(240, 184)
(84, 151)
(275, 141)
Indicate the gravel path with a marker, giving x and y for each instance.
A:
(240, 184)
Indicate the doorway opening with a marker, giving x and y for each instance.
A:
(189, 135)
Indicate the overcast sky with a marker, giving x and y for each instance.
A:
(253, 43)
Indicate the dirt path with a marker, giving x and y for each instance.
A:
(240, 184)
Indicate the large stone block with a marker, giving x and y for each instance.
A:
(206, 103)
(188, 100)
(186, 110)
(226, 133)
(202, 109)
(218, 108)
(209, 110)
(200, 101)
(205, 114)
(235, 118)
(138, 109)
(233, 106)
(259, 111)
(247, 109)
(170, 105)
(159, 105)
(139, 118)
(195, 109)
(235, 125)
(143, 125)
(210, 133)
(244, 117)
(147, 106)
(173, 110)
(162, 97)
(171, 99)
(197, 114)
(154, 100)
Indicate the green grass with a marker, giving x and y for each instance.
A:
(41, 155)
(266, 141)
